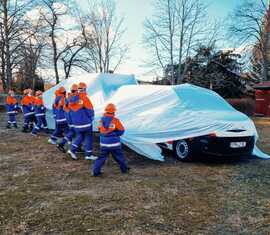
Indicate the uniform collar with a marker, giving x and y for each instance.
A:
(108, 114)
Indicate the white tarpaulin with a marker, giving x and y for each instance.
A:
(155, 114)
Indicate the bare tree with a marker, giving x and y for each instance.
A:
(66, 41)
(13, 33)
(103, 33)
(160, 35)
(173, 32)
(31, 56)
(190, 15)
(53, 10)
(250, 25)
(71, 56)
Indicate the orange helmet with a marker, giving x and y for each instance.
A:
(82, 85)
(38, 93)
(74, 87)
(110, 108)
(61, 89)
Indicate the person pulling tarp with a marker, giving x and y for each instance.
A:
(40, 113)
(61, 127)
(71, 132)
(82, 116)
(110, 129)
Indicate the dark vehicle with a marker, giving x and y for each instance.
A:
(234, 144)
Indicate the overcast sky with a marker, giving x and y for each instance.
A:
(135, 12)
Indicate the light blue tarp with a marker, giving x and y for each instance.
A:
(100, 88)
(155, 114)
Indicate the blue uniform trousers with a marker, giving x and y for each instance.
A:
(12, 119)
(118, 156)
(29, 120)
(60, 130)
(68, 137)
(83, 137)
(41, 123)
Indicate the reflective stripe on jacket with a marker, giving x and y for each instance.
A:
(28, 105)
(11, 105)
(40, 109)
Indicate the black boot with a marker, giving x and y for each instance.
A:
(80, 150)
(126, 171)
(15, 125)
(25, 129)
(61, 148)
(8, 126)
(97, 175)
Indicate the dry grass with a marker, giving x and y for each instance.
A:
(43, 192)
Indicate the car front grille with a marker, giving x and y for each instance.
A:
(220, 146)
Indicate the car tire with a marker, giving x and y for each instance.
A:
(182, 150)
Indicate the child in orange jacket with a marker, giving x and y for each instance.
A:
(28, 110)
(40, 113)
(12, 109)
(71, 132)
(110, 129)
(82, 116)
(61, 126)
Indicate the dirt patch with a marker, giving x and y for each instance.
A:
(43, 192)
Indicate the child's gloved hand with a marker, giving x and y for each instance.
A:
(104, 131)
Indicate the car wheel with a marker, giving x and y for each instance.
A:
(182, 150)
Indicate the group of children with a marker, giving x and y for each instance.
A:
(74, 116)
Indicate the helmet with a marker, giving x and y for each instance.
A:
(62, 90)
(110, 108)
(38, 93)
(82, 85)
(74, 88)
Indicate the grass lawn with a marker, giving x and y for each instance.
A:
(43, 192)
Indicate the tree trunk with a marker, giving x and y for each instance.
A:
(3, 69)
(265, 47)
(55, 57)
(8, 69)
(181, 44)
(171, 31)
(265, 65)
(180, 74)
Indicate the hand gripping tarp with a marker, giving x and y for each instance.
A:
(155, 114)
